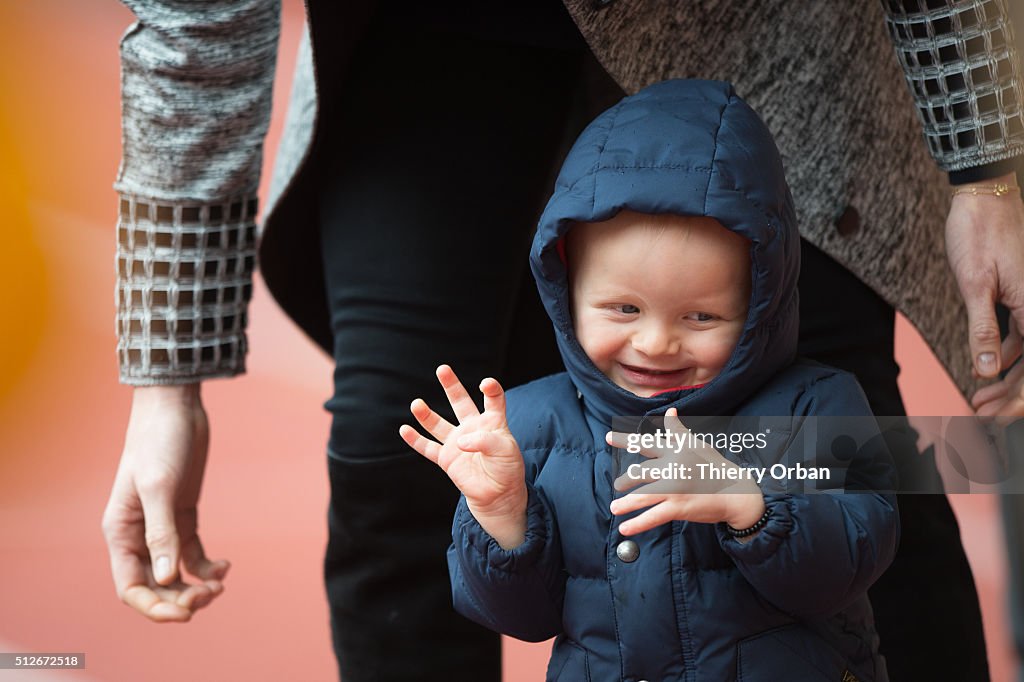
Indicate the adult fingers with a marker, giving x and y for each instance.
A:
(123, 529)
(1004, 399)
(983, 328)
(191, 597)
(436, 425)
(461, 403)
(173, 603)
(494, 397)
(1000, 389)
(1011, 346)
(988, 393)
(194, 557)
(161, 535)
(1003, 411)
(129, 573)
(414, 439)
(147, 602)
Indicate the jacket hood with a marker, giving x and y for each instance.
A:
(689, 148)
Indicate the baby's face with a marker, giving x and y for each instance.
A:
(658, 302)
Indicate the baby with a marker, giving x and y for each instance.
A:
(667, 259)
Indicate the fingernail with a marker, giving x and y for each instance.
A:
(987, 363)
(163, 567)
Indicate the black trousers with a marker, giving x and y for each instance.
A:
(438, 161)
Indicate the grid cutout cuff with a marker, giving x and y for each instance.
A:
(184, 280)
(965, 77)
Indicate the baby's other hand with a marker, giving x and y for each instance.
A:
(738, 502)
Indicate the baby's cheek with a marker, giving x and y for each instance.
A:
(601, 342)
(719, 349)
(601, 354)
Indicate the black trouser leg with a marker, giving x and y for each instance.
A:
(926, 606)
(438, 160)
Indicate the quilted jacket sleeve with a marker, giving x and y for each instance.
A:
(517, 592)
(821, 550)
(965, 76)
(196, 82)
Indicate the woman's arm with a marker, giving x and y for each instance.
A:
(965, 77)
(196, 93)
(196, 86)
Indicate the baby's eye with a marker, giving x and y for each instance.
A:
(628, 309)
(701, 317)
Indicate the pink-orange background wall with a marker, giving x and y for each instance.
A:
(62, 412)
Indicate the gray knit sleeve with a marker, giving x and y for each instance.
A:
(965, 77)
(196, 86)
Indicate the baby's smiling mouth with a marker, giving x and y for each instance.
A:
(649, 376)
(648, 370)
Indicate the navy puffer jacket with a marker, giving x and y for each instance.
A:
(695, 604)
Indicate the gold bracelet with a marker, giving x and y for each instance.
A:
(998, 190)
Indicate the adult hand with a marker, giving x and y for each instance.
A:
(736, 500)
(985, 245)
(480, 455)
(150, 520)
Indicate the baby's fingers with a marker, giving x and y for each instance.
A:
(632, 502)
(622, 442)
(461, 403)
(672, 422)
(426, 447)
(663, 512)
(626, 482)
(485, 442)
(494, 397)
(434, 424)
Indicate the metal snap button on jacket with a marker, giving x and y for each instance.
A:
(627, 551)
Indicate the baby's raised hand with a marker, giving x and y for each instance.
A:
(479, 455)
(739, 503)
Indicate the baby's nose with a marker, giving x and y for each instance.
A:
(657, 339)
